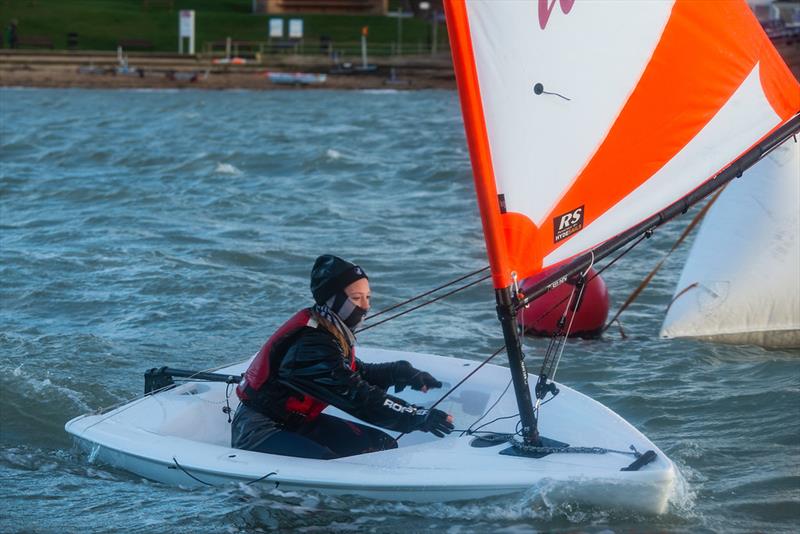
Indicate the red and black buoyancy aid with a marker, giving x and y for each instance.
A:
(252, 390)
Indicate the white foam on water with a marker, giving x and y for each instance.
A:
(34, 459)
(333, 154)
(227, 168)
(101, 474)
(532, 504)
(20, 458)
(93, 454)
(683, 497)
(44, 388)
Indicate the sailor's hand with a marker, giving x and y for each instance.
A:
(438, 423)
(407, 375)
(423, 381)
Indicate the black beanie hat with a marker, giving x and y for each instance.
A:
(330, 275)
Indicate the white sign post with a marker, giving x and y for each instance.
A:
(276, 28)
(186, 29)
(295, 28)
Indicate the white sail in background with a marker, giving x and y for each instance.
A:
(741, 280)
(585, 118)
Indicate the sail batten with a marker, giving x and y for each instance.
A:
(594, 119)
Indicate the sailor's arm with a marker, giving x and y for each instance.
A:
(398, 374)
(315, 366)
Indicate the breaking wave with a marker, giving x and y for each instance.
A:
(227, 168)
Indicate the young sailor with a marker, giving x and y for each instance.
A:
(310, 362)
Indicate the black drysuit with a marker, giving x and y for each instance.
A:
(313, 363)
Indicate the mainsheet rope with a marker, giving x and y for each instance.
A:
(469, 430)
(452, 389)
(436, 299)
(421, 295)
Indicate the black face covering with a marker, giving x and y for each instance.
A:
(330, 275)
(351, 314)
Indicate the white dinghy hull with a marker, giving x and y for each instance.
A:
(181, 437)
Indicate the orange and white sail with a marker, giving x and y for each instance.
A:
(585, 118)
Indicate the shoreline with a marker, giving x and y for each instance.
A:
(22, 68)
(98, 70)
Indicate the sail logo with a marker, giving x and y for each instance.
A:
(557, 283)
(546, 9)
(567, 224)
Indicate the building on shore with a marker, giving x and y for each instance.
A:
(771, 11)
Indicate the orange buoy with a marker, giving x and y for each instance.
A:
(541, 316)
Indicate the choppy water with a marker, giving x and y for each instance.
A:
(147, 228)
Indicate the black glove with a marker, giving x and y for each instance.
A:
(435, 422)
(406, 375)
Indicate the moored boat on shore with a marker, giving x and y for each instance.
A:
(296, 78)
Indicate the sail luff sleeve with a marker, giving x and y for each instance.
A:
(477, 140)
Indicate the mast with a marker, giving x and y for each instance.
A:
(507, 313)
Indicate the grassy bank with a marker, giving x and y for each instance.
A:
(101, 24)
